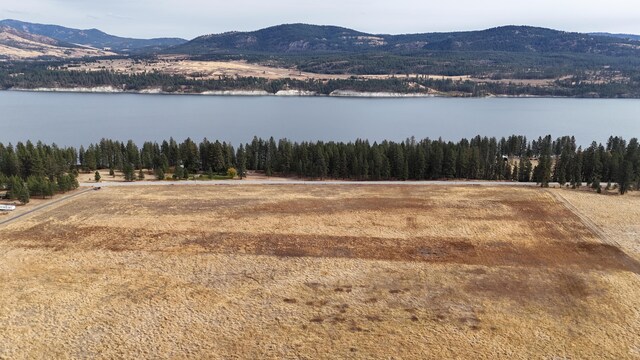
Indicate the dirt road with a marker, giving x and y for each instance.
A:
(314, 182)
(44, 206)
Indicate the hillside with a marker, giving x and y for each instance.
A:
(506, 61)
(312, 39)
(92, 37)
(521, 52)
(619, 36)
(18, 45)
(282, 38)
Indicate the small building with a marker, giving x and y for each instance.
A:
(7, 207)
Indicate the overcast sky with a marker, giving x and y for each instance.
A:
(191, 18)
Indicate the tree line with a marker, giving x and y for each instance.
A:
(37, 170)
(43, 170)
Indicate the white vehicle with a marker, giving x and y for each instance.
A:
(7, 207)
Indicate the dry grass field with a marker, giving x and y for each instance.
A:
(200, 69)
(320, 271)
(618, 217)
(215, 69)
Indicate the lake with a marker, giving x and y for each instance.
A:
(79, 119)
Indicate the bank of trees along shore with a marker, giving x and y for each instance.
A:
(37, 170)
(42, 170)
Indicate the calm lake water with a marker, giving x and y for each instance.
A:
(79, 119)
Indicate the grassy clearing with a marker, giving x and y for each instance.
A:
(315, 272)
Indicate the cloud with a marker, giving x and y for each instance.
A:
(119, 17)
(15, 12)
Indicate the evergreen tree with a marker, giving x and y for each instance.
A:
(576, 169)
(241, 159)
(628, 171)
(36, 186)
(596, 185)
(128, 171)
(507, 172)
(542, 172)
(159, 173)
(625, 177)
(24, 196)
(178, 173)
(18, 190)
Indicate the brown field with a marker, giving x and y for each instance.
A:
(322, 271)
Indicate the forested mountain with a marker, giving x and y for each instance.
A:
(313, 39)
(282, 38)
(516, 52)
(91, 37)
(619, 36)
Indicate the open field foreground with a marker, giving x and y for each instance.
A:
(339, 271)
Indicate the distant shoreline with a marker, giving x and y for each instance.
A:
(282, 93)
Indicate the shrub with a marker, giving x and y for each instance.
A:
(232, 172)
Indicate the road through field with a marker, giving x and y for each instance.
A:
(587, 221)
(43, 206)
(313, 182)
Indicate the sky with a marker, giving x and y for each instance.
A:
(191, 18)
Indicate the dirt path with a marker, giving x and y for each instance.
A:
(310, 183)
(585, 220)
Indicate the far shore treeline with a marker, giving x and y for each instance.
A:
(28, 169)
(30, 75)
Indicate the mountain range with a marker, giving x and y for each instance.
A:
(506, 60)
(309, 39)
(525, 51)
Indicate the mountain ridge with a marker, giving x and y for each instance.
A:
(300, 38)
(91, 37)
(19, 45)
(619, 36)
(309, 39)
